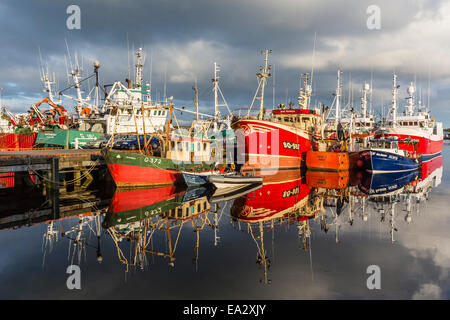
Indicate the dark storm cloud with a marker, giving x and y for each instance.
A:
(186, 37)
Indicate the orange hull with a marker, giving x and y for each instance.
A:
(327, 161)
(327, 180)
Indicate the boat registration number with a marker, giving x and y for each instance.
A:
(291, 145)
(152, 160)
(291, 192)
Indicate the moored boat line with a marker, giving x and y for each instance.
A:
(260, 145)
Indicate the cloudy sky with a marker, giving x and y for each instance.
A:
(184, 38)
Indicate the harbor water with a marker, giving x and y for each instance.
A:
(238, 248)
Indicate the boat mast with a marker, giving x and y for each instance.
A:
(196, 101)
(410, 106)
(394, 100)
(338, 96)
(263, 75)
(304, 96)
(365, 91)
(139, 66)
(216, 91)
(47, 80)
(97, 91)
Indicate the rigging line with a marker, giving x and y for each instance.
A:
(254, 97)
(226, 104)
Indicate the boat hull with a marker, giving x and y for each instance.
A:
(386, 183)
(327, 161)
(382, 161)
(271, 145)
(134, 169)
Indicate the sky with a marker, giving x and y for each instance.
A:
(183, 39)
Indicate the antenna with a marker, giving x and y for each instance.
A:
(338, 95)
(128, 52)
(428, 94)
(273, 89)
(312, 60)
(394, 100)
(151, 72)
(165, 82)
(371, 90)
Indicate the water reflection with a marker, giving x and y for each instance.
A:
(148, 225)
(140, 215)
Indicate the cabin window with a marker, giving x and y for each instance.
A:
(415, 123)
(199, 148)
(199, 207)
(204, 146)
(180, 146)
(172, 145)
(187, 211)
(204, 205)
(187, 146)
(286, 119)
(279, 118)
(410, 123)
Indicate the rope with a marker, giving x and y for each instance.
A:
(68, 182)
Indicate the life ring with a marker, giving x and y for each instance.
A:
(232, 166)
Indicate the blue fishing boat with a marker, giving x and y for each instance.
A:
(386, 183)
(384, 155)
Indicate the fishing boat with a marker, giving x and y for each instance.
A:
(414, 123)
(360, 125)
(233, 181)
(154, 167)
(282, 140)
(121, 111)
(384, 155)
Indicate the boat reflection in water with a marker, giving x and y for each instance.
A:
(141, 215)
(151, 220)
(284, 198)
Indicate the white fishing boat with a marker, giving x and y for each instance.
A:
(225, 181)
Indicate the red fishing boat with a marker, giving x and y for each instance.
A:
(282, 140)
(415, 123)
